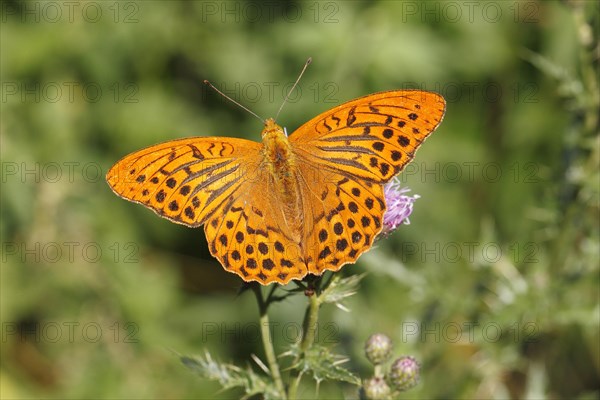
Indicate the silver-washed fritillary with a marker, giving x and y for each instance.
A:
(289, 206)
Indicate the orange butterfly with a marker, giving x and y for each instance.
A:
(289, 206)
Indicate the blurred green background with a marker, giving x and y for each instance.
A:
(493, 286)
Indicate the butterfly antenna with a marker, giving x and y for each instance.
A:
(293, 87)
(232, 100)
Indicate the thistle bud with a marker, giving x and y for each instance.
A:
(376, 389)
(404, 373)
(378, 348)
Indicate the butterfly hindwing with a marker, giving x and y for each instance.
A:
(250, 237)
(342, 217)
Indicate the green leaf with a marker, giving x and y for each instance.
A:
(339, 289)
(231, 376)
(323, 364)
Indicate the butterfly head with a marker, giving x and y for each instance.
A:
(272, 130)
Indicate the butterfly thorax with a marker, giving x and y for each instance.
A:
(280, 160)
(277, 151)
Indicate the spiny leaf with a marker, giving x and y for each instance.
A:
(340, 288)
(231, 376)
(322, 364)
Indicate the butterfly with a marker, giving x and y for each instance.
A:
(291, 205)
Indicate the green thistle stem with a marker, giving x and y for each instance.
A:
(308, 338)
(267, 340)
(310, 323)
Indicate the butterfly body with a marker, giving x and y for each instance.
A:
(280, 162)
(279, 156)
(289, 206)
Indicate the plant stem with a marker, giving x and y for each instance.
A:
(294, 386)
(268, 340)
(310, 323)
(308, 338)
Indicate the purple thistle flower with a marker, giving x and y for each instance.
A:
(399, 206)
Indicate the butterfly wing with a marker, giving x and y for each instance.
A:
(342, 216)
(342, 158)
(225, 184)
(250, 237)
(345, 155)
(372, 137)
(186, 181)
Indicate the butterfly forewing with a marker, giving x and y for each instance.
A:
(372, 137)
(355, 148)
(185, 180)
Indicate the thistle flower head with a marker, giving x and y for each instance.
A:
(399, 206)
